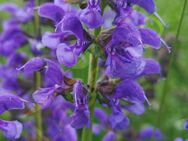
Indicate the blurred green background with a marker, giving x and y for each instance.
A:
(174, 98)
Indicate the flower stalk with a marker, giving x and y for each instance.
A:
(38, 114)
(92, 77)
(38, 82)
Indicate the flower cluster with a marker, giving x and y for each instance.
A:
(78, 27)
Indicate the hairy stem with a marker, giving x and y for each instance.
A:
(92, 76)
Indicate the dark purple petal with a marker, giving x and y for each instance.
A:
(72, 24)
(11, 129)
(51, 11)
(148, 5)
(110, 136)
(33, 65)
(151, 67)
(131, 91)
(44, 96)
(150, 37)
(9, 102)
(53, 74)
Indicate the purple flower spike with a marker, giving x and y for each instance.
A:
(11, 129)
(44, 96)
(9, 101)
(81, 115)
(150, 37)
(51, 11)
(91, 16)
(33, 65)
(110, 136)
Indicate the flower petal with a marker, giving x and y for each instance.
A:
(131, 91)
(66, 56)
(150, 37)
(110, 136)
(44, 96)
(11, 129)
(33, 65)
(51, 11)
(51, 40)
(10, 101)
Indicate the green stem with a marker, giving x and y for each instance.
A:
(38, 114)
(92, 76)
(37, 20)
(38, 82)
(172, 57)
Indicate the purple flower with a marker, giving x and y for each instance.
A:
(52, 12)
(150, 37)
(130, 91)
(118, 120)
(52, 76)
(11, 38)
(124, 55)
(20, 14)
(179, 139)
(44, 96)
(91, 15)
(150, 133)
(59, 121)
(67, 25)
(148, 5)
(81, 115)
(10, 101)
(33, 65)
(11, 129)
(110, 136)
(186, 124)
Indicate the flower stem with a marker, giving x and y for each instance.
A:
(92, 76)
(38, 114)
(37, 20)
(38, 82)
